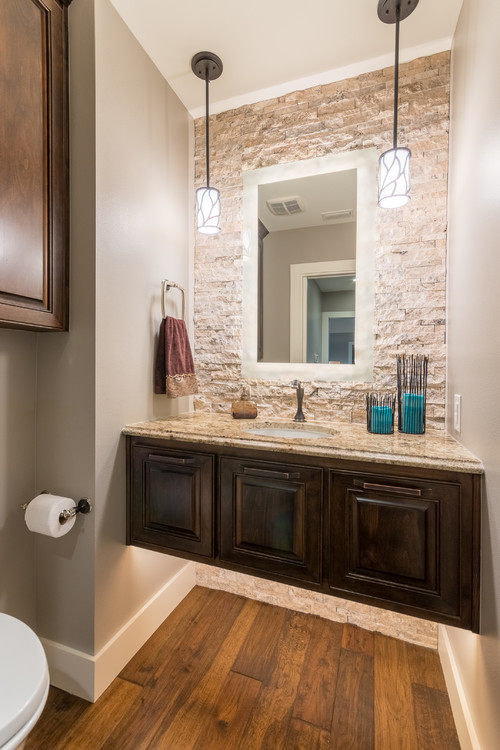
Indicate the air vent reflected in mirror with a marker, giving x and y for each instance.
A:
(286, 206)
(345, 213)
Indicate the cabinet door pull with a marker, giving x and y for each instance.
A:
(176, 460)
(390, 489)
(271, 474)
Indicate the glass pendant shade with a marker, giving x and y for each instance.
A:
(208, 210)
(394, 178)
(207, 66)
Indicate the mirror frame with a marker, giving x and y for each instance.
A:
(365, 162)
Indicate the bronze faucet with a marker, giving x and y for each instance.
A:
(299, 417)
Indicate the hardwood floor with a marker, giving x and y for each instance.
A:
(228, 673)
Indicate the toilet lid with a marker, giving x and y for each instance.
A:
(23, 675)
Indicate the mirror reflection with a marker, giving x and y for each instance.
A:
(303, 223)
(331, 317)
(308, 274)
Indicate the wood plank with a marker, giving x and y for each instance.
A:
(99, 719)
(224, 727)
(193, 699)
(352, 723)
(268, 725)
(434, 720)
(303, 736)
(394, 719)
(145, 665)
(181, 729)
(316, 692)
(175, 678)
(425, 667)
(355, 638)
(257, 655)
(61, 711)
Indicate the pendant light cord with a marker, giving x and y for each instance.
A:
(396, 79)
(207, 127)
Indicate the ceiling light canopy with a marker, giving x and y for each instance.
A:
(394, 165)
(207, 66)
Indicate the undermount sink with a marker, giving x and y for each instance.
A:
(292, 432)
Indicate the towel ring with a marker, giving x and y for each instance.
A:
(165, 287)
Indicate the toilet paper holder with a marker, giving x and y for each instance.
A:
(83, 506)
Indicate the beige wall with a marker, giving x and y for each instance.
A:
(130, 212)
(473, 323)
(143, 216)
(66, 382)
(17, 472)
(410, 246)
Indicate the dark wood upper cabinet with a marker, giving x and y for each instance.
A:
(34, 187)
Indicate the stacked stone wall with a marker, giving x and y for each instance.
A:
(410, 246)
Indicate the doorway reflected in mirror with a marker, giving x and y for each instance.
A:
(331, 320)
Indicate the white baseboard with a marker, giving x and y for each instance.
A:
(70, 670)
(88, 676)
(459, 706)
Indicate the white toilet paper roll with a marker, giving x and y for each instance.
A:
(42, 515)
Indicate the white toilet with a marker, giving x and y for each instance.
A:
(24, 682)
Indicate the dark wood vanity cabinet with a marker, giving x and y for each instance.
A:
(270, 518)
(171, 500)
(402, 538)
(34, 187)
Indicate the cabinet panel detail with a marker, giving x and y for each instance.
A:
(174, 506)
(172, 500)
(270, 518)
(398, 546)
(393, 541)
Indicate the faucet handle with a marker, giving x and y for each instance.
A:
(295, 383)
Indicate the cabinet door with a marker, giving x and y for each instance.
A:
(270, 518)
(171, 500)
(399, 540)
(34, 234)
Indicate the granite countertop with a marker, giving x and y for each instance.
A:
(435, 449)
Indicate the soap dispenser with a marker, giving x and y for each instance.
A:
(244, 408)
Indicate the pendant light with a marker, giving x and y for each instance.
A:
(207, 66)
(394, 164)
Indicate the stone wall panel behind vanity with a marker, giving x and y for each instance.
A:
(410, 249)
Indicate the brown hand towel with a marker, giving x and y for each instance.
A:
(174, 371)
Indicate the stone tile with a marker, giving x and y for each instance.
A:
(410, 629)
(410, 250)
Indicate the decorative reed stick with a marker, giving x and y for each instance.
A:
(412, 392)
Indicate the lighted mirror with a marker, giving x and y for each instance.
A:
(308, 269)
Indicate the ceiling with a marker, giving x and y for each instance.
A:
(271, 47)
(320, 193)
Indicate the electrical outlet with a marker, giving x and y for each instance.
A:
(457, 412)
